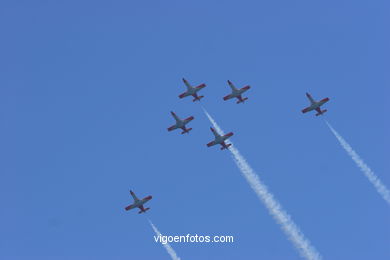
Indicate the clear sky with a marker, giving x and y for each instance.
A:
(86, 88)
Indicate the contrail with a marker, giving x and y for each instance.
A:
(274, 208)
(167, 246)
(379, 186)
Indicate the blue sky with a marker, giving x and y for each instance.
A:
(85, 95)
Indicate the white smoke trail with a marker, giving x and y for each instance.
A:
(274, 208)
(379, 186)
(167, 246)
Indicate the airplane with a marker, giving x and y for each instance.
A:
(181, 123)
(139, 203)
(192, 91)
(220, 139)
(315, 105)
(236, 93)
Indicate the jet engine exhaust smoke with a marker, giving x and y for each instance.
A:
(167, 246)
(288, 226)
(371, 176)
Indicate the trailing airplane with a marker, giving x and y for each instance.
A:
(315, 105)
(181, 123)
(138, 203)
(236, 93)
(220, 139)
(192, 91)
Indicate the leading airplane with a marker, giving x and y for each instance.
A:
(181, 123)
(192, 91)
(236, 93)
(138, 203)
(315, 105)
(220, 139)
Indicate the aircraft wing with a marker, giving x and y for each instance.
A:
(130, 207)
(171, 128)
(227, 135)
(323, 101)
(307, 109)
(211, 143)
(228, 97)
(146, 199)
(246, 88)
(183, 95)
(200, 86)
(189, 119)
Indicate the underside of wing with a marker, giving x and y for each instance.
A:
(307, 109)
(182, 95)
(189, 119)
(200, 86)
(323, 101)
(245, 88)
(228, 97)
(227, 135)
(130, 207)
(172, 128)
(211, 143)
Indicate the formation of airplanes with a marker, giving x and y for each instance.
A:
(218, 139)
(193, 91)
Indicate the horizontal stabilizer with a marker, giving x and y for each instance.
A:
(321, 112)
(197, 98)
(242, 100)
(186, 131)
(226, 146)
(143, 210)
